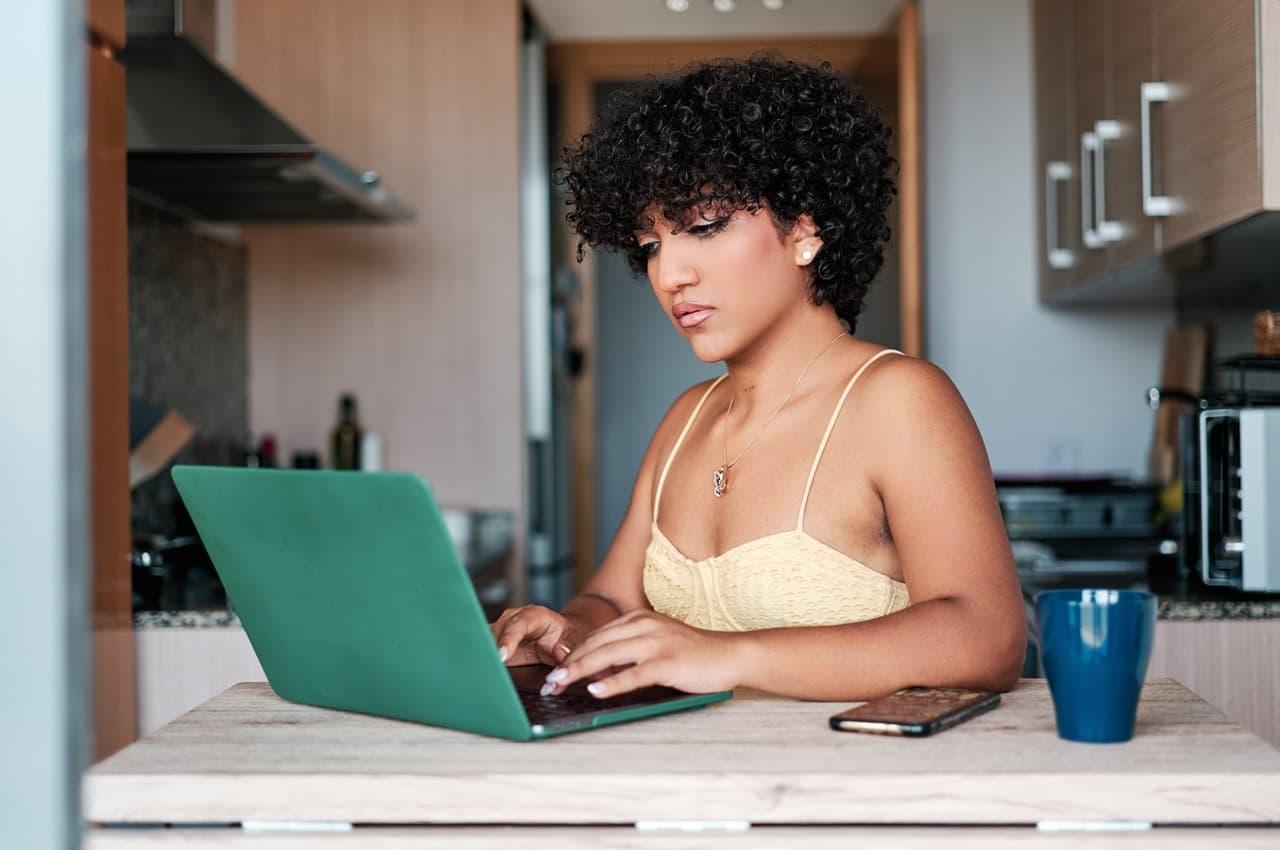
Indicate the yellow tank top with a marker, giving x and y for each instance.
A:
(783, 579)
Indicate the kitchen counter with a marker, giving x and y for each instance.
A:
(1184, 599)
(1175, 603)
(757, 761)
(1172, 608)
(196, 619)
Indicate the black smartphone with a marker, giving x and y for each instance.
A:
(915, 712)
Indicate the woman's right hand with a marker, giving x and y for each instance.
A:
(532, 634)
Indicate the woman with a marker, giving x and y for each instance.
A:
(820, 521)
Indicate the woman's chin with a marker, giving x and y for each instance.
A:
(707, 349)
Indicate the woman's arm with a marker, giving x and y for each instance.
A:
(617, 586)
(965, 626)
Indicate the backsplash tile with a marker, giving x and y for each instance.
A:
(188, 349)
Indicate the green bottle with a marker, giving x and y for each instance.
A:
(344, 449)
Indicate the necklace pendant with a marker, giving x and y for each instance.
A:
(721, 481)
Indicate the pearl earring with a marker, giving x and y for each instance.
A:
(806, 255)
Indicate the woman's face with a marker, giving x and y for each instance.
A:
(725, 279)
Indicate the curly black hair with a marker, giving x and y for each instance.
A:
(734, 133)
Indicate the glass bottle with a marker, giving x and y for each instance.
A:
(344, 449)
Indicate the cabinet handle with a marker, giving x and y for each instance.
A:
(1057, 256)
(1153, 205)
(1088, 149)
(1108, 231)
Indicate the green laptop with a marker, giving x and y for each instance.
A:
(353, 597)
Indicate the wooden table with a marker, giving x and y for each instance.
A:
(248, 757)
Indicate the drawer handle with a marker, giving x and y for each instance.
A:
(1057, 256)
(1153, 205)
(1108, 231)
(1088, 149)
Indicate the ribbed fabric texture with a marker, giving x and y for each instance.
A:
(785, 579)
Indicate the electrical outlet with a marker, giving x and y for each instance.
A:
(1062, 454)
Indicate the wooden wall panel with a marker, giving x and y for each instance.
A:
(112, 623)
(422, 320)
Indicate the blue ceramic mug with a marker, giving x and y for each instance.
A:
(1095, 645)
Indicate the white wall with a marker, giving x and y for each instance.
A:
(1033, 377)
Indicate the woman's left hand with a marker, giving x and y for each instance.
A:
(655, 650)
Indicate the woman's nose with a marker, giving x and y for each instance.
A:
(673, 272)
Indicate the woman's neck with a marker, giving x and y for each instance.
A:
(762, 375)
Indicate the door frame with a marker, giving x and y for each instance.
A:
(576, 67)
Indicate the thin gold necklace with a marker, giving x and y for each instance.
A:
(720, 478)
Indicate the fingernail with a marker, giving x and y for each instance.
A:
(565, 649)
(596, 688)
(557, 675)
(547, 688)
(502, 654)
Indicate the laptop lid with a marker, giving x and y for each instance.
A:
(352, 595)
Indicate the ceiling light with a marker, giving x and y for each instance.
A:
(723, 5)
(678, 5)
(773, 5)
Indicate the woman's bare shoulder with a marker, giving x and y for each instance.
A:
(903, 379)
(915, 406)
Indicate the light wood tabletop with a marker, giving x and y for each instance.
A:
(248, 756)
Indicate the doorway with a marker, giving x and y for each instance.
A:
(633, 363)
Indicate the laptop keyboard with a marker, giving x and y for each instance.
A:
(546, 710)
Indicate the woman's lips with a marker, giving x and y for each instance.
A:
(695, 317)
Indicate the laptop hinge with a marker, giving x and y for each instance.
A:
(295, 826)
(1093, 825)
(693, 825)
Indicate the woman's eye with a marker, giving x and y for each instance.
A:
(702, 231)
(709, 228)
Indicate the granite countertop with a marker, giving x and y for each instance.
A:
(198, 619)
(1172, 608)
(1184, 599)
(1173, 605)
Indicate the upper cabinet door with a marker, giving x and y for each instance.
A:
(1208, 133)
(1131, 54)
(1057, 174)
(1092, 108)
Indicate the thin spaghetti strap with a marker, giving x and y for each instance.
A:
(830, 425)
(666, 467)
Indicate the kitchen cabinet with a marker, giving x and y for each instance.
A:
(1131, 61)
(1163, 138)
(1092, 105)
(108, 371)
(1210, 137)
(106, 20)
(1057, 175)
(180, 667)
(1233, 664)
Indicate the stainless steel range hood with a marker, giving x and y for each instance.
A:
(205, 146)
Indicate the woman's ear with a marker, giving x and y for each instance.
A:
(805, 241)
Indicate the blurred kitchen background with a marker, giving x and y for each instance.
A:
(324, 234)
